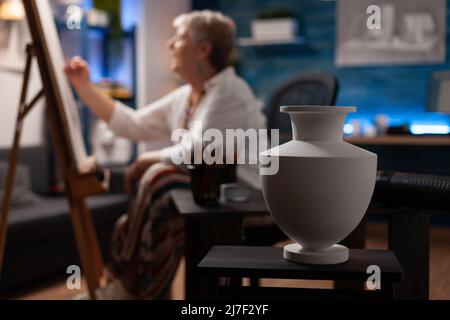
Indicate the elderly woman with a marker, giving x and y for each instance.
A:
(200, 53)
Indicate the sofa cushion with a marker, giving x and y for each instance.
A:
(39, 162)
(22, 195)
(49, 219)
(41, 243)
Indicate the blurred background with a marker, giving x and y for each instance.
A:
(389, 58)
(394, 75)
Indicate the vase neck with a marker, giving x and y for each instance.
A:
(318, 126)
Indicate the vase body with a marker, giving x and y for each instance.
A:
(323, 186)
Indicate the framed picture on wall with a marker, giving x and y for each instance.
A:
(386, 32)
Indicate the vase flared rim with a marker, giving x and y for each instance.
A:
(317, 109)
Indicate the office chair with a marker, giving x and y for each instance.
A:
(306, 89)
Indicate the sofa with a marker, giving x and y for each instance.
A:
(40, 242)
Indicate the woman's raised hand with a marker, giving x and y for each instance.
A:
(77, 70)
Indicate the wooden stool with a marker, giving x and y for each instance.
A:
(268, 263)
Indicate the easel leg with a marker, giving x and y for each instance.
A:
(8, 193)
(13, 158)
(94, 247)
(83, 247)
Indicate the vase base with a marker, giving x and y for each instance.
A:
(333, 255)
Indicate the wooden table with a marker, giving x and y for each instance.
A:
(207, 226)
(268, 262)
(223, 225)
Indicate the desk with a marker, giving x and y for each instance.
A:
(207, 226)
(401, 140)
(406, 153)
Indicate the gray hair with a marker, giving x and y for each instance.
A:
(214, 27)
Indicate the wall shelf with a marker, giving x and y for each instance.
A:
(252, 42)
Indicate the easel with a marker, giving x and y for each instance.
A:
(79, 182)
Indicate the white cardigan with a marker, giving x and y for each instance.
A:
(228, 104)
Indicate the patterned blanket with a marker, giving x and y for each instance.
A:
(148, 239)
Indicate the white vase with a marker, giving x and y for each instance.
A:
(323, 186)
